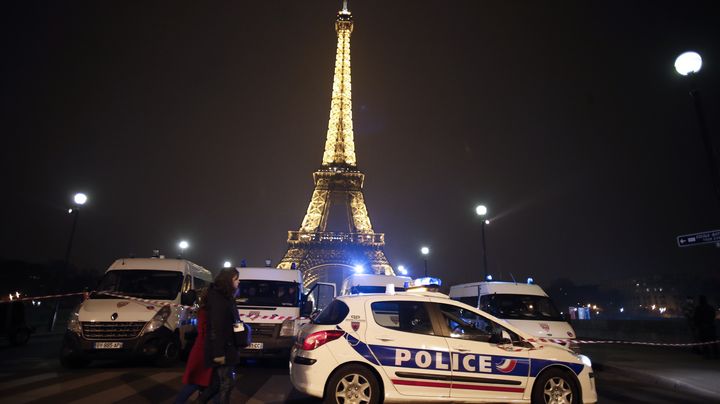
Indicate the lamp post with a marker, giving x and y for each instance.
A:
(425, 251)
(183, 245)
(481, 210)
(79, 199)
(688, 64)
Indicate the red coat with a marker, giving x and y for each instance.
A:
(195, 370)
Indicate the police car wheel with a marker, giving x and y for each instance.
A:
(352, 384)
(555, 386)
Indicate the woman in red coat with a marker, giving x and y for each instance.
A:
(197, 376)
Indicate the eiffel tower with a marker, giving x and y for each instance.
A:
(321, 253)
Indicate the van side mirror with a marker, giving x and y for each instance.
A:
(307, 308)
(188, 298)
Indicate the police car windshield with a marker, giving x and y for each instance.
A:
(267, 293)
(146, 284)
(520, 307)
(371, 289)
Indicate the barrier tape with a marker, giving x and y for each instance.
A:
(147, 301)
(584, 341)
(24, 299)
(279, 317)
(165, 303)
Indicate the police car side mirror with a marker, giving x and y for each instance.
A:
(188, 298)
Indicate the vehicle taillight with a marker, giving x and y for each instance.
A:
(320, 338)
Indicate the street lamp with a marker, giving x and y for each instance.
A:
(481, 210)
(79, 199)
(425, 251)
(688, 64)
(227, 264)
(183, 245)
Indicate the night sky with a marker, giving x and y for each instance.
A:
(205, 121)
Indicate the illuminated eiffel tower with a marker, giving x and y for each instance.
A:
(321, 253)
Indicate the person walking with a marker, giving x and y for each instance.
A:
(221, 351)
(705, 324)
(197, 375)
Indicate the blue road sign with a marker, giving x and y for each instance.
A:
(706, 237)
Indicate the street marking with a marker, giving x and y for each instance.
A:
(124, 391)
(62, 387)
(275, 390)
(27, 380)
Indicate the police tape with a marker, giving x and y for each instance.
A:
(27, 299)
(585, 341)
(146, 301)
(165, 303)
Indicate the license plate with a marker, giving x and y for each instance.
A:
(255, 345)
(108, 345)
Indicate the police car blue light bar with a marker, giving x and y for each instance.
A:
(427, 281)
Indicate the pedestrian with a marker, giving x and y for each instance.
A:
(704, 318)
(197, 375)
(221, 351)
(688, 310)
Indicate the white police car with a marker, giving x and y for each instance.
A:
(424, 346)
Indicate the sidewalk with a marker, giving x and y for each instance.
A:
(672, 368)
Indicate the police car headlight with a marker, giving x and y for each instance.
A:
(585, 360)
(157, 321)
(74, 321)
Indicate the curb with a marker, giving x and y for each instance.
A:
(664, 381)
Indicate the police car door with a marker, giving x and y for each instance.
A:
(412, 352)
(483, 364)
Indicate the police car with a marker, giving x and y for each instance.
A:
(424, 346)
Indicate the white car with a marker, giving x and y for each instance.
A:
(424, 346)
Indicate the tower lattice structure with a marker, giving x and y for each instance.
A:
(325, 255)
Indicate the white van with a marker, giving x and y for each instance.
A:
(275, 304)
(109, 326)
(372, 283)
(524, 305)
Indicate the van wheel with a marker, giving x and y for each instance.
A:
(169, 353)
(555, 386)
(352, 384)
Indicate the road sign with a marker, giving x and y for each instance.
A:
(712, 236)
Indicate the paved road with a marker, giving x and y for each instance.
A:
(32, 374)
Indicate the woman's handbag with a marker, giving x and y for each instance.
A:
(243, 334)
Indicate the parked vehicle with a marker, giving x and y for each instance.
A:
(524, 305)
(274, 303)
(425, 347)
(114, 326)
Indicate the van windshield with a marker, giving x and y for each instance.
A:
(268, 293)
(520, 307)
(146, 284)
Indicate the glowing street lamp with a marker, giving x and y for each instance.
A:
(481, 210)
(688, 64)
(227, 264)
(79, 199)
(425, 251)
(183, 245)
